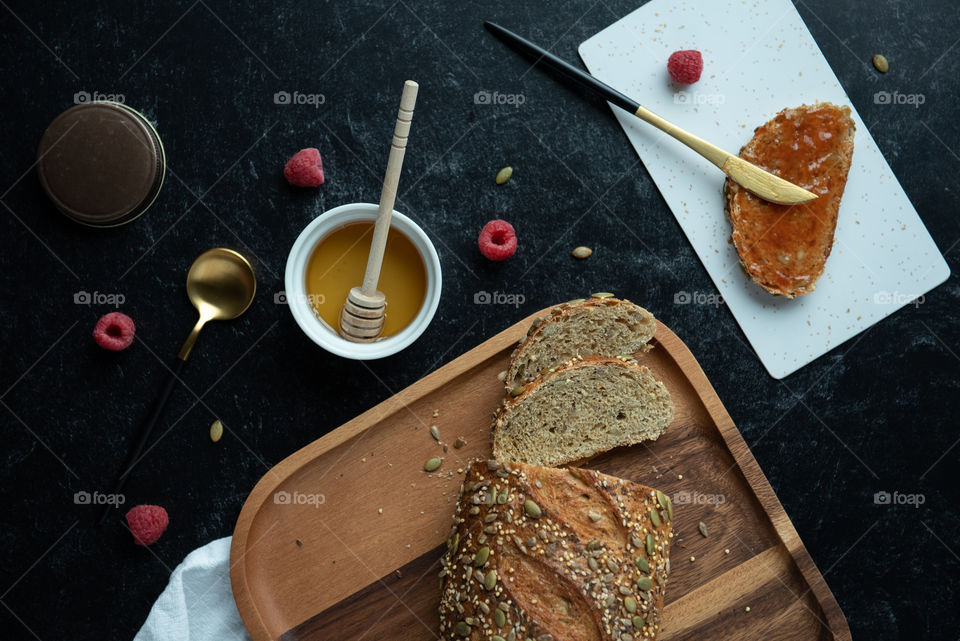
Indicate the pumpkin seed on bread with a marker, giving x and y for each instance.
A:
(601, 325)
(543, 553)
(586, 406)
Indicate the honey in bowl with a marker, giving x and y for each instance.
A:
(337, 265)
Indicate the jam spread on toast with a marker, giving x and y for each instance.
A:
(784, 247)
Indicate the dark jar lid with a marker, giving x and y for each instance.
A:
(101, 163)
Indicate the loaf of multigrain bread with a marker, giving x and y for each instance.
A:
(784, 248)
(549, 554)
(585, 406)
(600, 325)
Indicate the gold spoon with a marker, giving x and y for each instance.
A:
(221, 285)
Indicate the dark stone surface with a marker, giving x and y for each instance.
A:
(877, 413)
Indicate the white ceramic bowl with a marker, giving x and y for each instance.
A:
(295, 282)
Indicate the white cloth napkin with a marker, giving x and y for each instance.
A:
(197, 604)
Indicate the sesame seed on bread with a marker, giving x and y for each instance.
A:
(551, 554)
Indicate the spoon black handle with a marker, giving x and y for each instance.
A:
(145, 432)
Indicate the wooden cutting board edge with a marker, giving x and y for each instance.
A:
(665, 338)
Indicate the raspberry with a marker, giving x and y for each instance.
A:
(685, 66)
(147, 523)
(114, 331)
(497, 241)
(305, 168)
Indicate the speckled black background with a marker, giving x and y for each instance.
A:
(877, 413)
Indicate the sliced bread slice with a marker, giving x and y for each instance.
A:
(598, 326)
(586, 406)
(784, 248)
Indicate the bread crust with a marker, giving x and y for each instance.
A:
(518, 395)
(559, 314)
(784, 248)
(575, 565)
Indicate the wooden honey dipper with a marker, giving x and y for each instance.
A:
(364, 312)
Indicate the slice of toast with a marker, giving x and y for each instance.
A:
(586, 406)
(598, 326)
(784, 248)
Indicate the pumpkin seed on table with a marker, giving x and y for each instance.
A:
(504, 175)
(433, 464)
(216, 430)
(880, 62)
(703, 528)
(581, 252)
(434, 432)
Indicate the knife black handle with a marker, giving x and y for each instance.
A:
(579, 77)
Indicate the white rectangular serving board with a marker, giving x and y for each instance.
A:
(759, 58)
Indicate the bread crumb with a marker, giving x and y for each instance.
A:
(380, 510)
(363, 460)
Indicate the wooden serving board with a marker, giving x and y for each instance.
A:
(343, 539)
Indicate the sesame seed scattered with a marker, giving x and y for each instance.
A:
(692, 559)
(727, 551)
